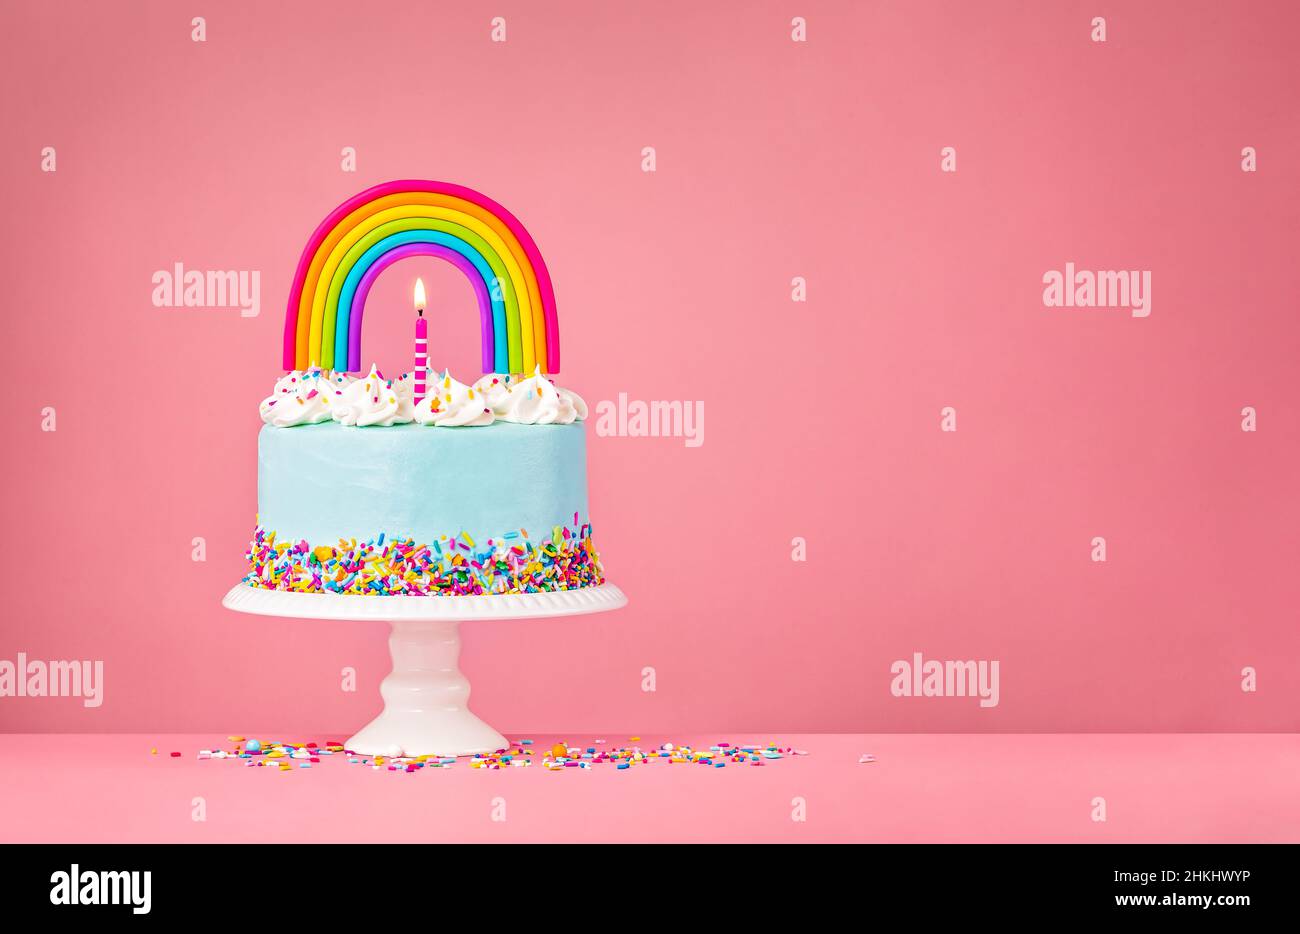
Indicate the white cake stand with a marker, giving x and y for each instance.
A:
(426, 698)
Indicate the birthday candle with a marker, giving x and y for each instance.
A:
(421, 341)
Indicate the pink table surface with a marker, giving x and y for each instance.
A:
(922, 788)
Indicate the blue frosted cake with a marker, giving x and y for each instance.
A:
(362, 491)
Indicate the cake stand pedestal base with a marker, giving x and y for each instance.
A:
(426, 698)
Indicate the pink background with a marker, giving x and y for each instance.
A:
(775, 159)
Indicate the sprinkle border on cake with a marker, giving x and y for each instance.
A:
(452, 566)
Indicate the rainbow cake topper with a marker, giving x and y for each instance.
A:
(372, 230)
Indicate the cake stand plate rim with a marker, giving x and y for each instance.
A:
(599, 599)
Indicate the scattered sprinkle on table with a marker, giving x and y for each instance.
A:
(283, 756)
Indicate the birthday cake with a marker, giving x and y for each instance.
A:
(419, 484)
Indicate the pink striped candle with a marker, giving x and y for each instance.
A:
(421, 342)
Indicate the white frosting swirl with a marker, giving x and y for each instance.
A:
(579, 404)
(339, 381)
(405, 386)
(308, 397)
(452, 404)
(531, 401)
(299, 398)
(494, 387)
(373, 400)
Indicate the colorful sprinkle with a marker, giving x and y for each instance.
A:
(388, 566)
(520, 754)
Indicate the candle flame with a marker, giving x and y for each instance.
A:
(419, 295)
